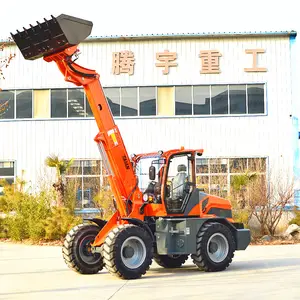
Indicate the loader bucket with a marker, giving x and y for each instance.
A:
(52, 36)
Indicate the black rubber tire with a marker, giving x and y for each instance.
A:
(112, 256)
(168, 261)
(201, 259)
(72, 250)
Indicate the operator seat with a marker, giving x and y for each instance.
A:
(179, 183)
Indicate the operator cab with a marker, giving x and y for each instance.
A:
(179, 182)
(170, 180)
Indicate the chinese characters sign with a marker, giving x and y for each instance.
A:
(165, 60)
(210, 62)
(255, 68)
(124, 61)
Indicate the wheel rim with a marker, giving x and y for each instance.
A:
(133, 252)
(217, 247)
(85, 250)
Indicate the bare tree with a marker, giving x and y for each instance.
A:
(5, 57)
(261, 194)
(268, 201)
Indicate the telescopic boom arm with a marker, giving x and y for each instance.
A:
(56, 40)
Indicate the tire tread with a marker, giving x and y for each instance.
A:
(69, 255)
(109, 254)
(200, 259)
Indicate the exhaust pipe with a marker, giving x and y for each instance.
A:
(52, 36)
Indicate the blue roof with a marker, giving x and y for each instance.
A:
(192, 35)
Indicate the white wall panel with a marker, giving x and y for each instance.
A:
(98, 56)
(29, 142)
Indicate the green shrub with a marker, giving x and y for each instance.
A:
(27, 220)
(296, 219)
(70, 195)
(7, 200)
(104, 200)
(41, 208)
(17, 227)
(59, 223)
(241, 216)
(31, 216)
(25, 213)
(3, 228)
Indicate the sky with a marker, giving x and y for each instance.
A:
(118, 17)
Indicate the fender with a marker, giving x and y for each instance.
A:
(97, 221)
(142, 224)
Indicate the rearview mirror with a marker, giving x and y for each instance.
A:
(152, 173)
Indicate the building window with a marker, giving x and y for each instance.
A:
(147, 101)
(59, 103)
(238, 165)
(85, 178)
(76, 103)
(129, 102)
(201, 97)
(7, 173)
(113, 98)
(183, 100)
(237, 99)
(7, 104)
(219, 99)
(214, 175)
(256, 99)
(24, 104)
(197, 100)
(71, 103)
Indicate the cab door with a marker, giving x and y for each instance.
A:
(180, 182)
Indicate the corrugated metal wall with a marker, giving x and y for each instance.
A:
(98, 55)
(29, 142)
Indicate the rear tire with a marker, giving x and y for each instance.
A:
(215, 247)
(76, 250)
(127, 251)
(170, 261)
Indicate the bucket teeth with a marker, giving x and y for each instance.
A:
(51, 36)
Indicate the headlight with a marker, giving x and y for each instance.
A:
(145, 197)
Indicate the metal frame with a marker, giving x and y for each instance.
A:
(82, 175)
(156, 92)
(14, 167)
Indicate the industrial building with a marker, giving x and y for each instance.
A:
(232, 94)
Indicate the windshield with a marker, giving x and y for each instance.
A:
(142, 169)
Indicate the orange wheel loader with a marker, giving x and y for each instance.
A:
(160, 213)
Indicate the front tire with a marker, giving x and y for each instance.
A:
(215, 247)
(76, 250)
(127, 251)
(170, 261)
